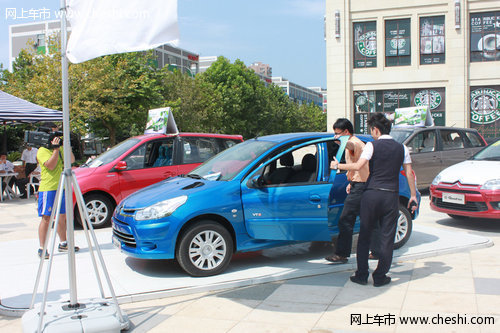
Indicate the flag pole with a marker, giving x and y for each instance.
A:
(96, 313)
(67, 159)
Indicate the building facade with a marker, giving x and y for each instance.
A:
(298, 93)
(35, 36)
(206, 62)
(262, 69)
(323, 92)
(383, 55)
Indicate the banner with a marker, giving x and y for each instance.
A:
(413, 116)
(161, 121)
(102, 27)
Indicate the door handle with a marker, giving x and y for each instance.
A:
(315, 198)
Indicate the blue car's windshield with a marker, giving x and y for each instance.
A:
(490, 153)
(113, 153)
(231, 161)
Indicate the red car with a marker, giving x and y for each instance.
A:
(470, 188)
(139, 162)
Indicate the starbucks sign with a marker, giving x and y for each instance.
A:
(398, 42)
(367, 44)
(422, 98)
(485, 106)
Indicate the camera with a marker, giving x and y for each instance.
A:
(42, 137)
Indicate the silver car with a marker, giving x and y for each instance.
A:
(435, 148)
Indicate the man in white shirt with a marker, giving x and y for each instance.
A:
(29, 159)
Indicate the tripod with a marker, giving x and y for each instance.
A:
(94, 315)
(72, 313)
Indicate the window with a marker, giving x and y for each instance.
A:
(474, 139)
(365, 44)
(423, 142)
(198, 150)
(226, 143)
(164, 153)
(485, 36)
(432, 40)
(387, 101)
(137, 158)
(298, 166)
(451, 140)
(152, 154)
(397, 42)
(485, 111)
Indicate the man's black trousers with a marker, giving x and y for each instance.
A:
(378, 208)
(347, 219)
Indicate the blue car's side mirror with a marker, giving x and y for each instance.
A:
(257, 181)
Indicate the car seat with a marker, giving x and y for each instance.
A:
(307, 172)
(280, 175)
(427, 144)
(458, 143)
(162, 158)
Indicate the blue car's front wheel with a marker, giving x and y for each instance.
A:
(205, 249)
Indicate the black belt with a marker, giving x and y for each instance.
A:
(354, 183)
(382, 189)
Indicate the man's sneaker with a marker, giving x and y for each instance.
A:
(63, 247)
(40, 252)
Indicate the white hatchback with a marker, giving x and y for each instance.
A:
(470, 188)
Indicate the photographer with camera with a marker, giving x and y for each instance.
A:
(51, 163)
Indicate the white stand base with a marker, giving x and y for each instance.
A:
(92, 315)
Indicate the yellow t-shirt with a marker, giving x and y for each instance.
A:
(49, 178)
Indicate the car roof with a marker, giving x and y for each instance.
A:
(420, 128)
(291, 136)
(283, 137)
(188, 134)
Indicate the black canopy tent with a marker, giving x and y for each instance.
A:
(16, 110)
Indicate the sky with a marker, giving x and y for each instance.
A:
(286, 34)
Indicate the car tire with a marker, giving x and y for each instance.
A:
(458, 217)
(403, 228)
(205, 249)
(99, 208)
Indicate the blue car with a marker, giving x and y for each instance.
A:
(261, 193)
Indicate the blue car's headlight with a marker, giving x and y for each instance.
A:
(492, 184)
(160, 209)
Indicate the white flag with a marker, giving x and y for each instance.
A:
(101, 27)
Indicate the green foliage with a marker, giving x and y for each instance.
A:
(110, 96)
(14, 156)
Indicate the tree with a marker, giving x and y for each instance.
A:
(196, 106)
(112, 94)
(109, 96)
(252, 109)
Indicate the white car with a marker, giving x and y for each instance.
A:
(470, 188)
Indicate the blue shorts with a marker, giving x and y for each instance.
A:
(46, 202)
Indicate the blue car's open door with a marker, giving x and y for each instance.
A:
(294, 210)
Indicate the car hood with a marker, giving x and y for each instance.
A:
(167, 189)
(471, 172)
(84, 171)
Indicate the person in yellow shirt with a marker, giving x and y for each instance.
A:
(51, 164)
